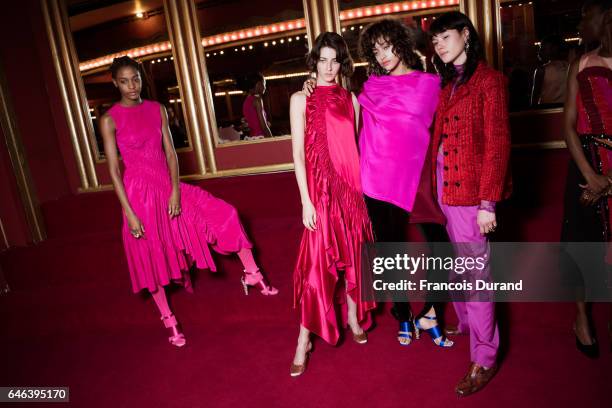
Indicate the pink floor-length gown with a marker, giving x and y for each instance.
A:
(169, 246)
(334, 186)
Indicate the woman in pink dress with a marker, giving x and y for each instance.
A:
(167, 225)
(333, 209)
(254, 84)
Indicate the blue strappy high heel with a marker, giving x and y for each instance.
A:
(434, 332)
(405, 332)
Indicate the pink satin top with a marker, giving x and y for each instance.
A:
(397, 112)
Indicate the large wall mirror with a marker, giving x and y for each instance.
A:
(104, 29)
(540, 39)
(355, 15)
(254, 52)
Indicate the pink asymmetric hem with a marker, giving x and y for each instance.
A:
(169, 246)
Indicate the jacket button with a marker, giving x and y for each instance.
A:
(446, 183)
(445, 167)
(444, 135)
(456, 117)
(446, 153)
(446, 120)
(456, 167)
(457, 184)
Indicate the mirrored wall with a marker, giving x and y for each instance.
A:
(103, 30)
(540, 39)
(254, 55)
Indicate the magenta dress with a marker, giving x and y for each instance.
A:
(397, 112)
(250, 113)
(170, 246)
(334, 186)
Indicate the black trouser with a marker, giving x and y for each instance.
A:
(390, 224)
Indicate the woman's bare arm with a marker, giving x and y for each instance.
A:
(107, 129)
(174, 205)
(297, 111)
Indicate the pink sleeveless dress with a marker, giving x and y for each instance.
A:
(169, 246)
(334, 186)
(250, 113)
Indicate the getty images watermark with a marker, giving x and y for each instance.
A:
(499, 271)
(459, 265)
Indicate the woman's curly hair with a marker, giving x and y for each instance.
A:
(401, 37)
(336, 42)
(455, 20)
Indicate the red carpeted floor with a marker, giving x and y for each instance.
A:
(71, 320)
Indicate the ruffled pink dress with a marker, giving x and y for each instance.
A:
(334, 186)
(170, 246)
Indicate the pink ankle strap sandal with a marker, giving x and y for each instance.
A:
(257, 279)
(177, 339)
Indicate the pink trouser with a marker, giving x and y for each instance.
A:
(475, 318)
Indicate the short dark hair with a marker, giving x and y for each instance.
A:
(336, 42)
(121, 62)
(248, 81)
(401, 37)
(454, 20)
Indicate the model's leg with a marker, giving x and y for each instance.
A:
(582, 326)
(159, 296)
(359, 335)
(434, 233)
(389, 223)
(304, 346)
(252, 274)
(428, 318)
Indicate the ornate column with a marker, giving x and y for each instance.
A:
(321, 16)
(192, 76)
(485, 14)
(71, 88)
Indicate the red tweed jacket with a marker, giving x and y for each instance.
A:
(473, 128)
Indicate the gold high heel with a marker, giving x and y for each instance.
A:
(298, 369)
(361, 338)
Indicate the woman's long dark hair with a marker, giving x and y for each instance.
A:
(455, 20)
(335, 42)
(398, 35)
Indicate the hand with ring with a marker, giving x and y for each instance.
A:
(486, 221)
(309, 86)
(174, 204)
(136, 228)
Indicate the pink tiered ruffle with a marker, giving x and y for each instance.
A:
(171, 246)
(342, 227)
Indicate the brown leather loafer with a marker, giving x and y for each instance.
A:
(475, 380)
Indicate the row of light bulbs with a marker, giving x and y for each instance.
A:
(254, 32)
(275, 42)
(517, 5)
(162, 59)
(265, 44)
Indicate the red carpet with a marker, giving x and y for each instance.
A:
(71, 320)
